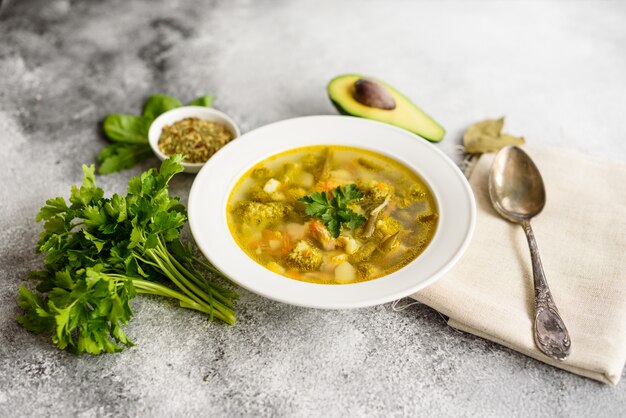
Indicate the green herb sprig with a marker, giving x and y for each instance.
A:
(129, 133)
(332, 208)
(100, 252)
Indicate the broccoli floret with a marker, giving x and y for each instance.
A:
(416, 193)
(257, 194)
(262, 214)
(363, 253)
(304, 257)
(290, 172)
(311, 161)
(388, 226)
(365, 270)
(375, 191)
(295, 193)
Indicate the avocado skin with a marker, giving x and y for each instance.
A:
(339, 108)
(416, 120)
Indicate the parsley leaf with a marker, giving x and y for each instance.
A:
(332, 208)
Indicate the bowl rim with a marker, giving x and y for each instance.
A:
(182, 112)
(284, 135)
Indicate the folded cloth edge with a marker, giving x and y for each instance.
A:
(592, 374)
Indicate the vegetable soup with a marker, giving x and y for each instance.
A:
(332, 214)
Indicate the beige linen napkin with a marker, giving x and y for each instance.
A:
(581, 235)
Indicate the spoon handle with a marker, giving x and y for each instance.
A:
(551, 336)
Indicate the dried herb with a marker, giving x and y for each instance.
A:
(197, 139)
(486, 136)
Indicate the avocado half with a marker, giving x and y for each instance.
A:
(405, 115)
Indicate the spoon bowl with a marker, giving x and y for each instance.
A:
(516, 186)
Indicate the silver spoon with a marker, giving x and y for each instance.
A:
(517, 193)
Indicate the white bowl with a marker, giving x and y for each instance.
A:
(174, 115)
(212, 186)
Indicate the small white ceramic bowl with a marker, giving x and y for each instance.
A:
(174, 115)
(212, 186)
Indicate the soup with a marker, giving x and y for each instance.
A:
(332, 214)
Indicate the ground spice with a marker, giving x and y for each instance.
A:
(197, 139)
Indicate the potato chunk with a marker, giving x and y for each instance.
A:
(275, 267)
(349, 245)
(306, 179)
(271, 186)
(345, 273)
(296, 231)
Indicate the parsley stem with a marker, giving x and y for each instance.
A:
(146, 286)
(202, 282)
(138, 257)
(216, 271)
(172, 275)
(195, 293)
(151, 288)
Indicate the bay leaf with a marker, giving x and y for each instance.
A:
(486, 136)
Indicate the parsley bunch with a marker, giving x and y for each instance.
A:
(100, 252)
(332, 208)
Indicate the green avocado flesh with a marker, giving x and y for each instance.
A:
(405, 115)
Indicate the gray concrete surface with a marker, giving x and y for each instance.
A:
(556, 69)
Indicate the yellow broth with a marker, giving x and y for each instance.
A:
(270, 225)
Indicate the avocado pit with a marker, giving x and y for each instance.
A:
(373, 94)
